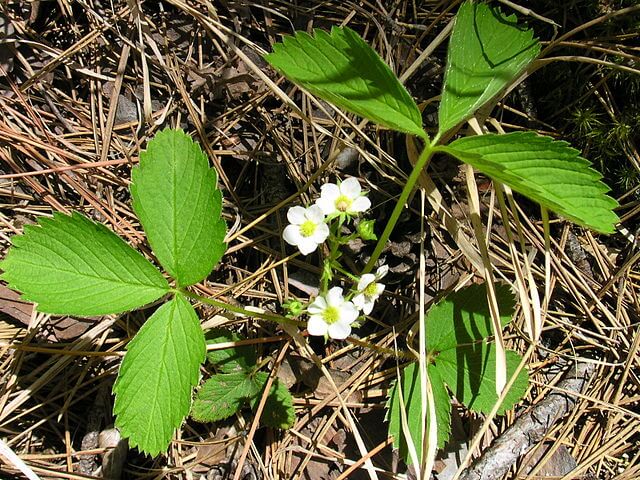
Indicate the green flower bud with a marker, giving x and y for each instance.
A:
(293, 308)
(365, 230)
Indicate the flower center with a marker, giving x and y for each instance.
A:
(331, 315)
(307, 228)
(371, 290)
(343, 203)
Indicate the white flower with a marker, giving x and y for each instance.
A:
(331, 315)
(307, 229)
(346, 197)
(369, 290)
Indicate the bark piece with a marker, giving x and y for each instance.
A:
(529, 429)
(14, 306)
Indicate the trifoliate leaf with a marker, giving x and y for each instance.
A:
(547, 171)
(470, 372)
(412, 396)
(176, 198)
(157, 376)
(232, 359)
(342, 69)
(463, 317)
(466, 363)
(487, 51)
(459, 358)
(70, 265)
(223, 395)
(278, 409)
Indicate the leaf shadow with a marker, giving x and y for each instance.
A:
(363, 76)
(471, 355)
(497, 15)
(470, 313)
(487, 68)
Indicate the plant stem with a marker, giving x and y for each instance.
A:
(239, 310)
(350, 276)
(334, 243)
(395, 215)
(389, 352)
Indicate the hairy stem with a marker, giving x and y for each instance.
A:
(335, 238)
(239, 310)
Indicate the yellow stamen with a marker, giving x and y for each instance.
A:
(371, 290)
(331, 315)
(307, 228)
(343, 203)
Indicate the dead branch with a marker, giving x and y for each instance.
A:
(530, 428)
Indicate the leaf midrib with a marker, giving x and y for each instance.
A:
(174, 216)
(95, 277)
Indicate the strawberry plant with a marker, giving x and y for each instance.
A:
(71, 265)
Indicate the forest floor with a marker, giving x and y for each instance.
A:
(85, 84)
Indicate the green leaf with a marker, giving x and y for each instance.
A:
(411, 393)
(176, 198)
(487, 51)
(70, 265)
(463, 317)
(342, 69)
(157, 376)
(460, 359)
(547, 171)
(278, 409)
(456, 328)
(470, 372)
(232, 359)
(223, 395)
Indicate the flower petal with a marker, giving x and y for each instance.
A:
(296, 215)
(359, 301)
(334, 297)
(365, 280)
(316, 325)
(317, 306)
(339, 330)
(330, 191)
(382, 271)
(327, 205)
(291, 234)
(321, 233)
(348, 312)
(315, 214)
(364, 303)
(306, 245)
(368, 307)
(351, 187)
(360, 204)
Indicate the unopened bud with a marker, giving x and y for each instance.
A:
(365, 230)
